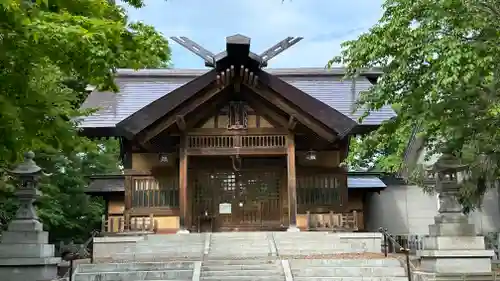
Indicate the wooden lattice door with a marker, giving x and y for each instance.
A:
(259, 199)
(215, 195)
(243, 200)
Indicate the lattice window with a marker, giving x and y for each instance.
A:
(318, 190)
(260, 185)
(155, 192)
(238, 116)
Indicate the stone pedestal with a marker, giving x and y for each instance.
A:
(25, 253)
(453, 247)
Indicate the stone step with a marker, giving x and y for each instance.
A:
(241, 243)
(319, 252)
(135, 275)
(349, 272)
(389, 262)
(241, 262)
(245, 278)
(253, 272)
(350, 279)
(242, 254)
(164, 249)
(240, 250)
(191, 236)
(160, 252)
(170, 244)
(337, 247)
(155, 257)
(232, 267)
(133, 266)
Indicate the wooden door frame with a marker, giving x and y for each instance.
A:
(194, 173)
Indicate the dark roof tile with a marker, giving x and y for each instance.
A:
(105, 184)
(139, 88)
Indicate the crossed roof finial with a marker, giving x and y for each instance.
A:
(237, 39)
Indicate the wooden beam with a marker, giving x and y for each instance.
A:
(226, 132)
(265, 111)
(292, 122)
(183, 167)
(172, 119)
(305, 120)
(278, 48)
(181, 123)
(273, 151)
(196, 49)
(207, 110)
(157, 211)
(292, 182)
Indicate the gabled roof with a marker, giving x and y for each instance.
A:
(140, 88)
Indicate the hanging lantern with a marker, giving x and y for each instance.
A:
(163, 158)
(311, 155)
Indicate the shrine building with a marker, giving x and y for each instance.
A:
(236, 146)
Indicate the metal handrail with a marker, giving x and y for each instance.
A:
(80, 253)
(406, 251)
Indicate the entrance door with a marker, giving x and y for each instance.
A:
(238, 201)
(259, 200)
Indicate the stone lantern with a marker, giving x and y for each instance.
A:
(452, 246)
(28, 174)
(24, 251)
(447, 171)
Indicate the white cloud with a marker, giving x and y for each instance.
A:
(324, 24)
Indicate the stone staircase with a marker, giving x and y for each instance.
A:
(164, 271)
(164, 247)
(347, 270)
(245, 256)
(241, 245)
(319, 243)
(247, 270)
(242, 270)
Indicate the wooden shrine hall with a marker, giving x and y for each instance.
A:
(235, 147)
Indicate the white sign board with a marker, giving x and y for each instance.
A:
(225, 208)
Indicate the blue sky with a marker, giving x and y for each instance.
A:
(324, 24)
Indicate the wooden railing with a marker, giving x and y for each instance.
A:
(251, 141)
(152, 192)
(124, 224)
(333, 221)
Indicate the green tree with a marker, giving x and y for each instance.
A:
(49, 51)
(441, 68)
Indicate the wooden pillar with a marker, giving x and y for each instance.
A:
(292, 183)
(128, 198)
(183, 204)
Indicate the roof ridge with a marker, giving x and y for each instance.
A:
(193, 72)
